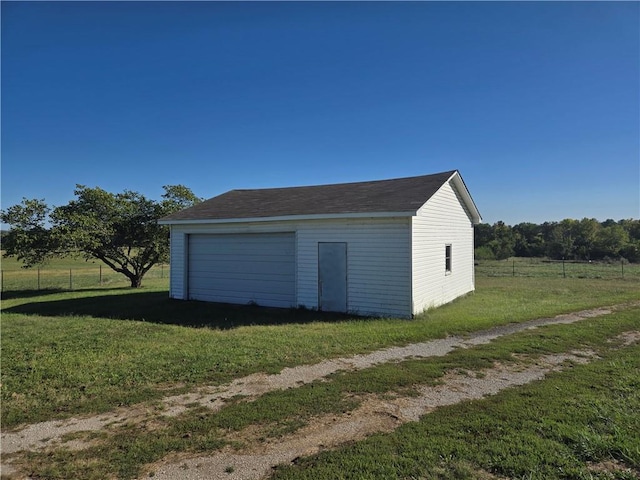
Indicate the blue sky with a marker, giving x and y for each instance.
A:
(537, 103)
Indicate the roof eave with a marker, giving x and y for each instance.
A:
(285, 218)
(456, 178)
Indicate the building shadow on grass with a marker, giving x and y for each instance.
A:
(157, 307)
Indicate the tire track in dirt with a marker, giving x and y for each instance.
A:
(47, 434)
(375, 415)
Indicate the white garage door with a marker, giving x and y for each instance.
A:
(243, 268)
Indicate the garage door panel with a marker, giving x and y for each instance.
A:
(231, 276)
(269, 299)
(240, 245)
(243, 268)
(253, 286)
(248, 254)
(255, 257)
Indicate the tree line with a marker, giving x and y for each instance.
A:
(586, 239)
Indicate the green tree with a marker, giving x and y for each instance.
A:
(482, 234)
(29, 238)
(503, 242)
(631, 251)
(586, 232)
(119, 229)
(529, 241)
(632, 227)
(611, 240)
(562, 241)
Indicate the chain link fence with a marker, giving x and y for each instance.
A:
(535, 267)
(71, 278)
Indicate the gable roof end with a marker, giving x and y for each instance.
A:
(395, 197)
(461, 187)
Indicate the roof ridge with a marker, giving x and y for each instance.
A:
(449, 172)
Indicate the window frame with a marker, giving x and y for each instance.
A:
(448, 259)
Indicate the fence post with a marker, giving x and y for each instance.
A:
(513, 272)
(70, 280)
(161, 271)
(100, 274)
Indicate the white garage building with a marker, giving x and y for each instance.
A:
(385, 248)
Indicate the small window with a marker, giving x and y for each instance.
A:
(447, 258)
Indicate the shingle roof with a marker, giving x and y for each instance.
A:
(395, 195)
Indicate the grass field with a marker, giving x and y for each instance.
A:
(94, 349)
(66, 274)
(537, 267)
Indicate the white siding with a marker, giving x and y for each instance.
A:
(178, 255)
(378, 259)
(442, 221)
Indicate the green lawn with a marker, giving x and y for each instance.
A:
(88, 351)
